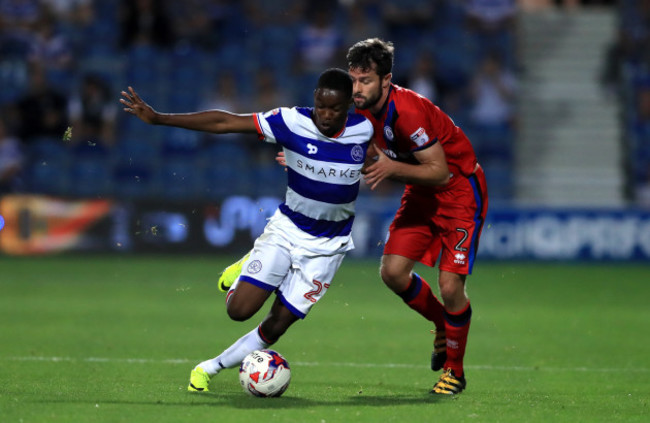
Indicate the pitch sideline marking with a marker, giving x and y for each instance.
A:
(317, 364)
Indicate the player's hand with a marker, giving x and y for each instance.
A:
(381, 169)
(136, 106)
(282, 161)
(371, 157)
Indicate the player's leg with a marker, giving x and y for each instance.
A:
(230, 357)
(458, 314)
(459, 236)
(276, 323)
(269, 265)
(411, 240)
(266, 334)
(243, 302)
(454, 266)
(397, 273)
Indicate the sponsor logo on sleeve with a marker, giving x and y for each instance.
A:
(420, 137)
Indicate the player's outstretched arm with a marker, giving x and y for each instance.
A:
(215, 121)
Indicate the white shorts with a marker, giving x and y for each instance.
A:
(299, 277)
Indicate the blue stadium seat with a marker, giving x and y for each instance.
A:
(230, 154)
(47, 178)
(493, 142)
(179, 142)
(270, 180)
(136, 151)
(180, 180)
(46, 150)
(498, 175)
(220, 182)
(455, 55)
(13, 78)
(91, 149)
(91, 177)
(134, 182)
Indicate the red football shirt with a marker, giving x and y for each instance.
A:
(409, 122)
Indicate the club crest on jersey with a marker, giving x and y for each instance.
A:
(388, 133)
(357, 153)
(254, 266)
(312, 149)
(420, 137)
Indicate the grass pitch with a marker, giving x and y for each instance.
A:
(113, 339)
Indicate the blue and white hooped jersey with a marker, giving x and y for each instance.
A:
(324, 173)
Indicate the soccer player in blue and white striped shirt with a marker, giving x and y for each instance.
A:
(306, 239)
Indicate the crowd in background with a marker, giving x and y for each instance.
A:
(628, 75)
(64, 62)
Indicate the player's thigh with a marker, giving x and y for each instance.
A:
(459, 239)
(263, 272)
(308, 281)
(410, 240)
(269, 262)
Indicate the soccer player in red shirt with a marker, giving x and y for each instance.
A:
(442, 209)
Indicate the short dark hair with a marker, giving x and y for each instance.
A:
(364, 54)
(336, 79)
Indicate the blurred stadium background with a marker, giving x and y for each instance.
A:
(555, 97)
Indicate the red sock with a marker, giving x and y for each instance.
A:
(420, 298)
(457, 328)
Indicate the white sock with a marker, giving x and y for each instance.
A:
(233, 356)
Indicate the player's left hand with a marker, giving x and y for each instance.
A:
(383, 168)
(136, 106)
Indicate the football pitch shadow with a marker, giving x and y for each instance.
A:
(298, 402)
(239, 401)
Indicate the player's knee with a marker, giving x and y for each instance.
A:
(452, 288)
(394, 278)
(238, 314)
(448, 293)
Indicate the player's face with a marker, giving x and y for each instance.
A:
(330, 110)
(368, 88)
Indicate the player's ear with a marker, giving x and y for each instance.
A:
(386, 80)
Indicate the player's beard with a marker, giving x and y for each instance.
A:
(369, 101)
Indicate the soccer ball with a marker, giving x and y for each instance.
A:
(264, 373)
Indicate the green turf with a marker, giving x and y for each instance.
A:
(112, 339)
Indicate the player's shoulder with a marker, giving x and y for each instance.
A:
(355, 118)
(287, 116)
(359, 122)
(408, 97)
(278, 112)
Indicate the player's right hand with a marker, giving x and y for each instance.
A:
(136, 106)
(282, 161)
